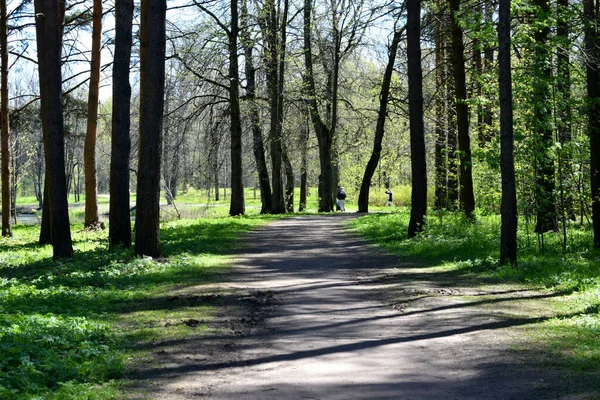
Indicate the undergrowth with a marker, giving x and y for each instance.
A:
(68, 328)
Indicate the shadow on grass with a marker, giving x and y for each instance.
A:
(94, 289)
(101, 280)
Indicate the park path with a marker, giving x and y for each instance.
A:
(322, 330)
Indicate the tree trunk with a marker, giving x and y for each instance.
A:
(289, 181)
(92, 219)
(476, 76)
(543, 135)
(15, 168)
(45, 228)
(38, 181)
(508, 236)
(488, 66)
(167, 144)
(5, 150)
(441, 150)
(593, 91)
(384, 94)
(418, 211)
(119, 215)
(452, 138)
(257, 138)
(273, 54)
(304, 166)
(563, 88)
(335, 75)
(323, 133)
(281, 53)
(152, 89)
(49, 28)
(466, 196)
(237, 206)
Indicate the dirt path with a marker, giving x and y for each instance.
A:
(320, 326)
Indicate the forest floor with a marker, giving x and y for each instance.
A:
(310, 311)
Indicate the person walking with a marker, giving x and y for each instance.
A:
(390, 199)
(341, 199)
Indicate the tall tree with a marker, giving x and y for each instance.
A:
(49, 28)
(324, 133)
(274, 25)
(271, 38)
(119, 219)
(592, 45)
(441, 150)
(488, 68)
(92, 220)
(304, 161)
(281, 54)
(384, 94)
(563, 88)
(508, 235)
(152, 88)
(452, 153)
(5, 149)
(257, 137)
(465, 176)
(543, 132)
(418, 211)
(236, 206)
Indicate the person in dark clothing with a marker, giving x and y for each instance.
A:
(341, 199)
(390, 199)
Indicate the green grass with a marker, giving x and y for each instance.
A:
(69, 328)
(467, 253)
(196, 203)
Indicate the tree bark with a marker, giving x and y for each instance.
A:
(281, 56)
(452, 138)
(592, 42)
(323, 133)
(236, 206)
(335, 75)
(476, 76)
(563, 87)
(119, 213)
(441, 149)
(257, 138)
(289, 181)
(49, 28)
(418, 211)
(273, 54)
(5, 149)
(45, 228)
(466, 196)
(488, 66)
(152, 89)
(543, 136)
(508, 236)
(304, 164)
(92, 220)
(384, 94)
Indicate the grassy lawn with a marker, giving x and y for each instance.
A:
(72, 326)
(467, 254)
